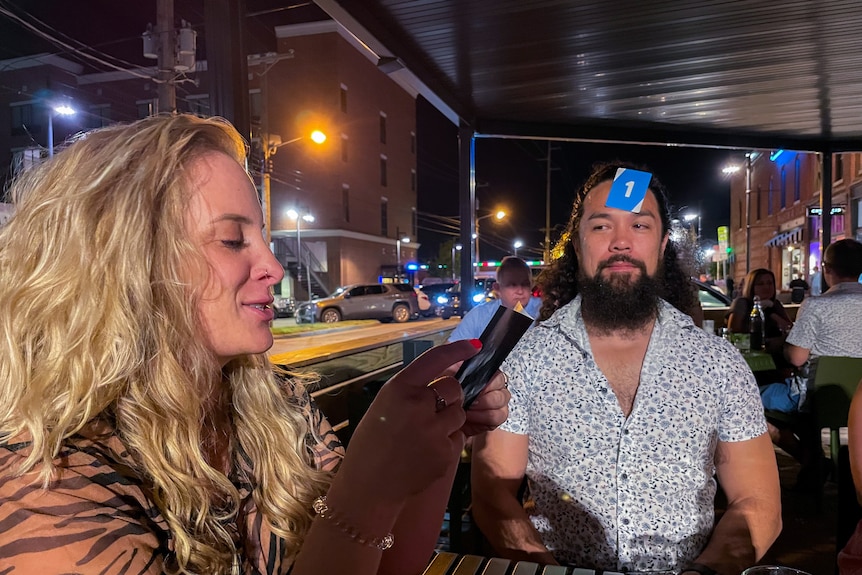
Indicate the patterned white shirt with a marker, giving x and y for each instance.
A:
(627, 494)
(830, 324)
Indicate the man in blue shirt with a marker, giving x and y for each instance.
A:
(514, 285)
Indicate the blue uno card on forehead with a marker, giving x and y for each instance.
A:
(628, 190)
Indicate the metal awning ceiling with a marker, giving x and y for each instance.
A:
(732, 73)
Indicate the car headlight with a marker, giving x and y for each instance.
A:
(479, 297)
(442, 299)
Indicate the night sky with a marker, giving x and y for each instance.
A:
(511, 174)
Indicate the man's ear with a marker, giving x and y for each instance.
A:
(663, 246)
(495, 286)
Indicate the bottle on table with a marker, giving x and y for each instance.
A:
(757, 326)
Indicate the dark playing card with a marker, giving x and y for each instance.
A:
(498, 339)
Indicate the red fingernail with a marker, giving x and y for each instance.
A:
(476, 343)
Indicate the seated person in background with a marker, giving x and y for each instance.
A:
(831, 324)
(623, 412)
(825, 325)
(850, 558)
(761, 282)
(514, 285)
(143, 429)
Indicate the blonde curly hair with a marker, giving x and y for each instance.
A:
(99, 317)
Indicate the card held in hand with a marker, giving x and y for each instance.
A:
(498, 339)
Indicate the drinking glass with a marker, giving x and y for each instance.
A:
(773, 570)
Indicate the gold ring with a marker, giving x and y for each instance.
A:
(440, 402)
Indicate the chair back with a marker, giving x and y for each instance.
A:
(835, 382)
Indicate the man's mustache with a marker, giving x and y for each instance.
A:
(622, 258)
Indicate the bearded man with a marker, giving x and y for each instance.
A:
(623, 412)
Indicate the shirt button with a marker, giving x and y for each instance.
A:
(625, 431)
(624, 476)
(625, 521)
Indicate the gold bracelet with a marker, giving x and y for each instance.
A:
(322, 510)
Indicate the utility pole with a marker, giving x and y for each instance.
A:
(546, 255)
(167, 59)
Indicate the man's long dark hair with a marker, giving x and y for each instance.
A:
(559, 281)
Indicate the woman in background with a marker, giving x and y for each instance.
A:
(761, 283)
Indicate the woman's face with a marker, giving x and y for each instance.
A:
(225, 222)
(764, 287)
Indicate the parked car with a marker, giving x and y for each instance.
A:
(432, 291)
(385, 302)
(283, 306)
(449, 302)
(710, 296)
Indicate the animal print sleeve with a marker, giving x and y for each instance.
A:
(93, 519)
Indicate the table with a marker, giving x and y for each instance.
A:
(759, 360)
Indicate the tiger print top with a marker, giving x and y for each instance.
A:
(98, 516)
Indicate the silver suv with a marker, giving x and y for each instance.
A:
(386, 302)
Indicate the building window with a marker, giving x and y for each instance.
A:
(146, 108)
(22, 119)
(382, 128)
(384, 217)
(413, 180)
(797, 176)
(198, 105)
(25, 158)
(770, 198)
(839, 168)
(782, 193)
(758, 199)
(383, 178)
(345, 201)
(99, 116)
(343, 148)
(343, 98)
(255, 105)
(413, 143)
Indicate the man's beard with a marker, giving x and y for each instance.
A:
(618, 302)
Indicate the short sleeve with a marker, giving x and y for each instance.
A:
(741, 416)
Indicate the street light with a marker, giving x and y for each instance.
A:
(398, 243)
(271, 144)
(458, 247)
(63, 110)
(516, 245)
(730, 170)
(294, 215)
(498, 215)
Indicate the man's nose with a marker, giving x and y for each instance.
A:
(621, 241)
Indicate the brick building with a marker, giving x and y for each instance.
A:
(785, 212)
(360, 184)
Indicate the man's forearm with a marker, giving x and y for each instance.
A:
(505, 524)
(741, 538)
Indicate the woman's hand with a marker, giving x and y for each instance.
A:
(412, 433)
(490, 408)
